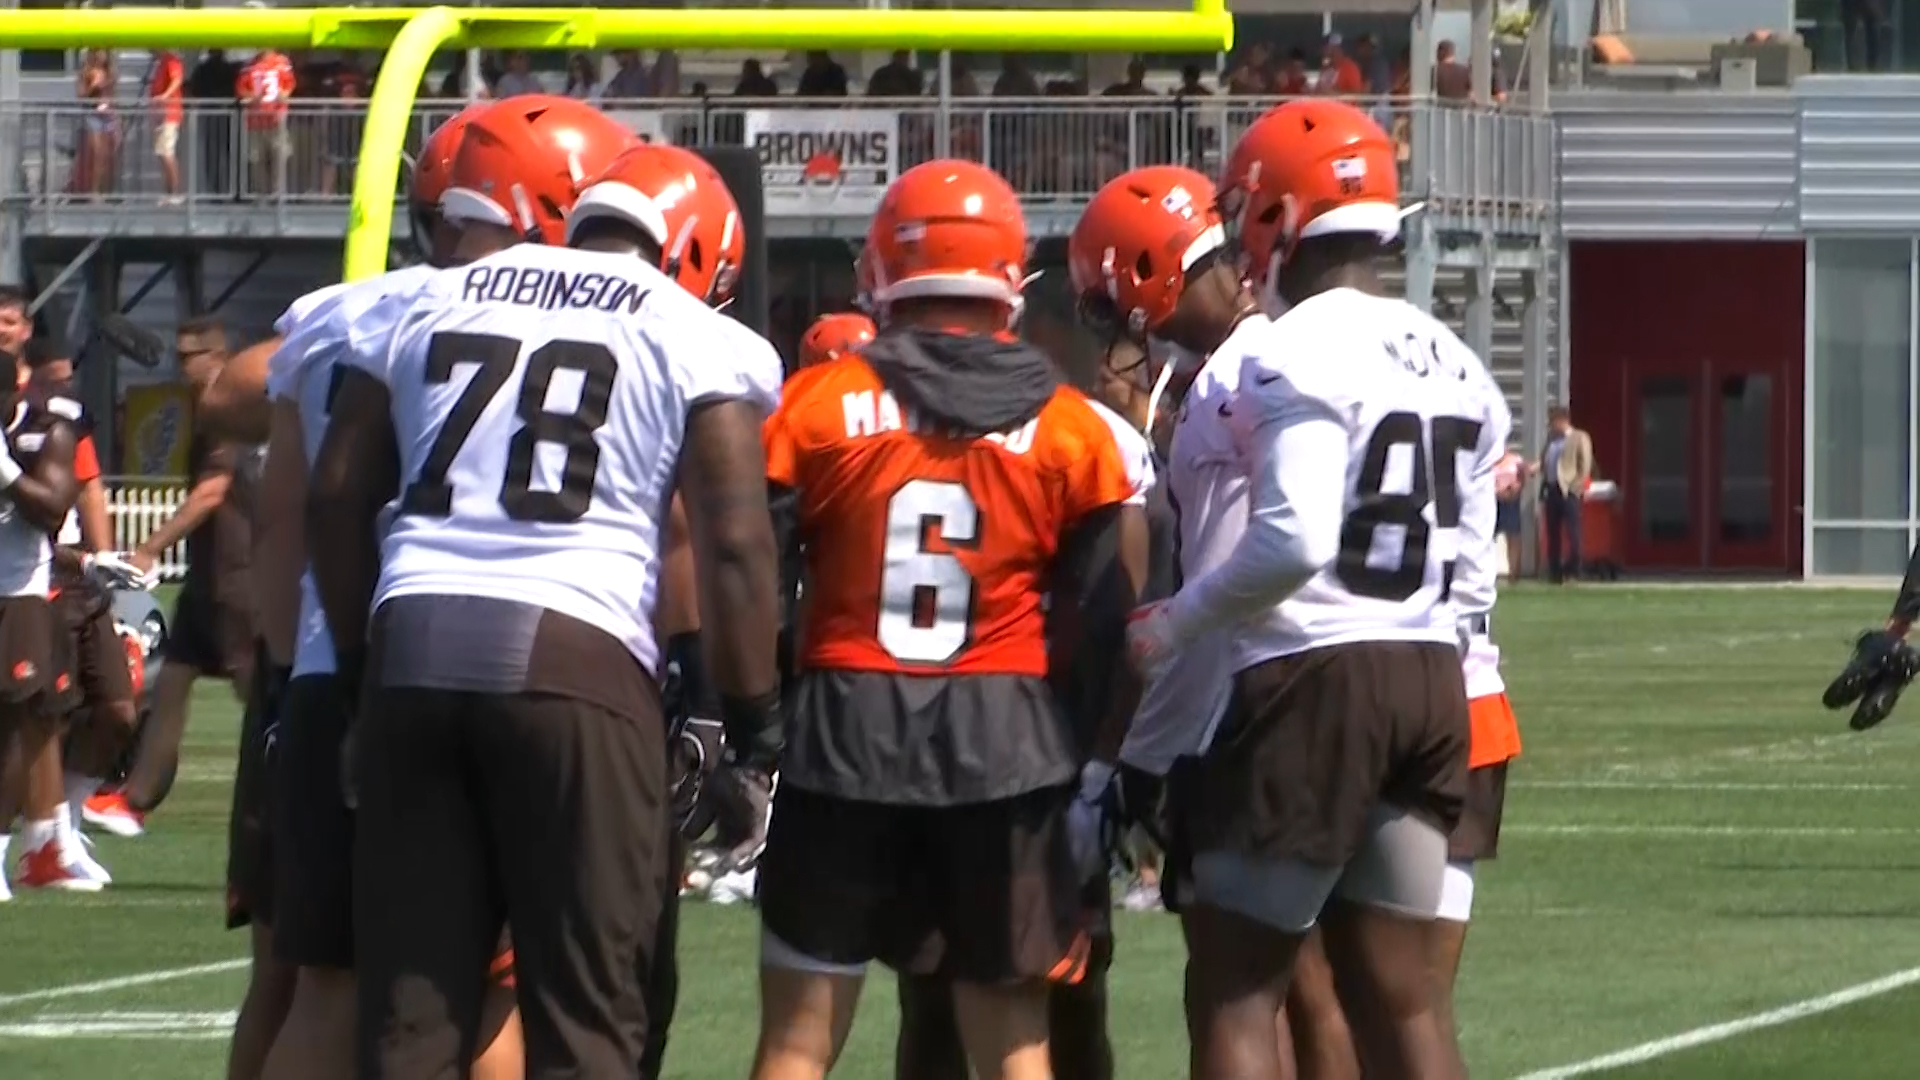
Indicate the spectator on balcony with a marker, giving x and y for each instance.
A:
(1869, 19)
(1015, 79)
(1293, 79)
(344, 82)
(896, 78)
(822, 77)
(519, 77)
(583, 78)
(960, 73)
(1190, 84)
(1135, 84)
(665, 80)
(1452, 79)
(212, 80)
(265, 89)
(754, 81)
(1373, 65)
(93, 161)
(1339, 75)
(166, 104)
(630, 78)
(1252, 75)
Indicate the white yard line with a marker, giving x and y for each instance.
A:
(124, 982)
(1732, 1029)
(123, 1025)
(1683, 831)
(1707, 785)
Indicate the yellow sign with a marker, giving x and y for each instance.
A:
(159, 421)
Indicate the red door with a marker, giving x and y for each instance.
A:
(1708, 464)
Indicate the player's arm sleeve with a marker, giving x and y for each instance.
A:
(1296, 491)
(86, 460)
(1474, 467)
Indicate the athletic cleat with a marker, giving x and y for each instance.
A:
(110, 810)
(79, 855)
(45, 867)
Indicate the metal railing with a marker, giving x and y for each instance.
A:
(139, 505)
(1477, 159)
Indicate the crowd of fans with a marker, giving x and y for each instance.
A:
(312, 152)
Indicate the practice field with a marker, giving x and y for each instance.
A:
(1703, 876)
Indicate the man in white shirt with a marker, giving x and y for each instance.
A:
(1340, 767)
(528, 415)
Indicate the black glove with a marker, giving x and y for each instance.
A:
(1881, 666)
(743, 810)
(697, 748)
(756, 730)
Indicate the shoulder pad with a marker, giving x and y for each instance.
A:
(65, 407)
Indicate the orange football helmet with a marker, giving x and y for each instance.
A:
(1311, 167)
(1134, 244)
(432, 172)
(676, 197)
(833, 336)
(945, 229)
(522, 162)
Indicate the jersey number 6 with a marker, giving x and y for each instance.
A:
(926, 597)
(1436, 479)
(494, 358)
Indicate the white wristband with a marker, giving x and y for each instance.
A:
(10, 470)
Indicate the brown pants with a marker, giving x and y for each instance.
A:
(483, 808)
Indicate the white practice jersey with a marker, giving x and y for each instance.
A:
(26, 552)
(1135, 450)
(1381, 398)
(1476, 573)
(315, 332)
(1206, 477)
(540, 399)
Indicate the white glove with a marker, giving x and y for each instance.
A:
(115, 570)
(10, 469)
(1087, 820)
(1150, 640)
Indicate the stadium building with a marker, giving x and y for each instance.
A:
(1687, 219)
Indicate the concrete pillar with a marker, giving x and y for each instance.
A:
(1479, 322)
(1482, 62)
(13, 241)
(99, 377)
(1422, 262)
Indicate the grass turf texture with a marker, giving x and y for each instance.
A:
(1689, 840)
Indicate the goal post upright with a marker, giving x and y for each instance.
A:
(410, 37)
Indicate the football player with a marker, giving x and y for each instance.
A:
(1330, 787)
(37, 492)
(528, 414)
(312, 826)
(833, 336)
(105, 721)
(682, 208)
(942, 482)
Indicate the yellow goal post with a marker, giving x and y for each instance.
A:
(410, 37)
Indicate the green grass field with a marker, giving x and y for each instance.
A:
(1690, 842)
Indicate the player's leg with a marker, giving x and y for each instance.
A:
(1316, 1024)
(1268, 825)
(313, 883)
(262, 1009)
(1475, 839)
(575, 797)
(1379, 929)
(1077, 1040)
(829, 900)
(928, 1047)
(41, 688)
(104, 726)
(503, 1048)
(1008, 904)
(193, 648)
(426, 920)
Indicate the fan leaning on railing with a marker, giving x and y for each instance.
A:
(138, 505)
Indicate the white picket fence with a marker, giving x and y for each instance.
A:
(138, 506)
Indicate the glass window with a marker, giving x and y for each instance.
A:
(1859, 551)
(1862, 379)
(1746, 458)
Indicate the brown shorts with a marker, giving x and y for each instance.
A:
(31, 671)
(532, 808)
(1313, 742)
(983, 893)
(1078, 1046)
(100, 660)
(1477, 836)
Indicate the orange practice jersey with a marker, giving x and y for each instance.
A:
(928, 554)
